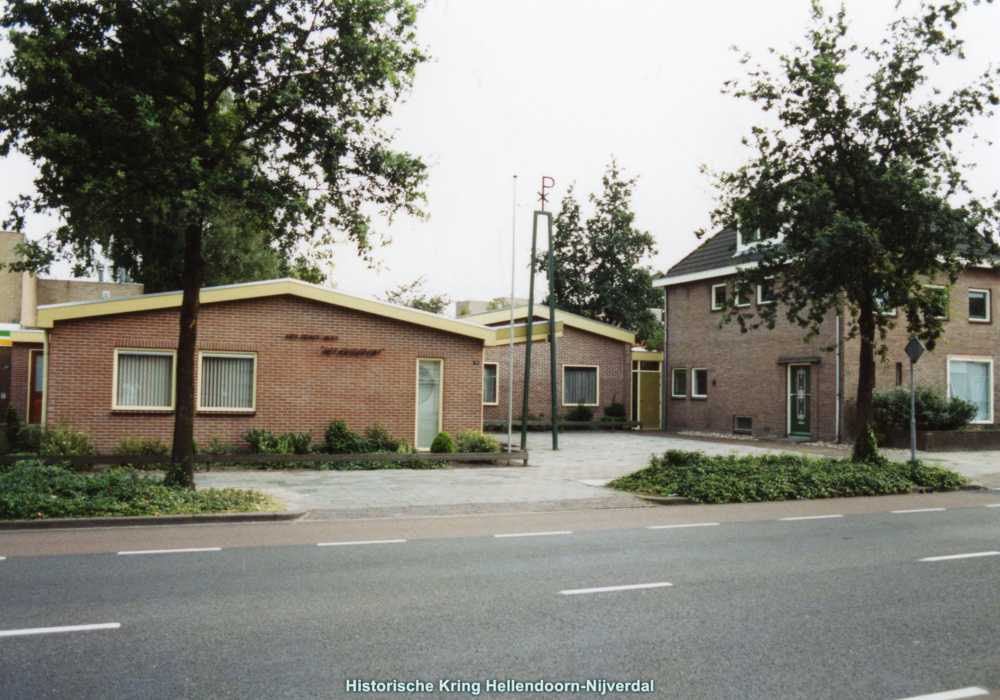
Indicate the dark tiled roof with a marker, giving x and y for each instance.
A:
(717, 252)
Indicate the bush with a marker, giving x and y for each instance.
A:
(616, 411)
(580, 413)
(443, 444)
(132, 445)
(934, 410)
(733, 478)
(216, 446)
(65, 441)
(341, 440)
(12, 424)
(476, 441)
(378, 439)
(264, 442)
(29, 438)
(32, 490)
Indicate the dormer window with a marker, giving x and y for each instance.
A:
(748, 240)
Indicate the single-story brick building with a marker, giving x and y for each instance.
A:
(280, 355)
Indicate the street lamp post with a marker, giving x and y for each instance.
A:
(914, 349)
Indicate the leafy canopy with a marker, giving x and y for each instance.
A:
(414, 296)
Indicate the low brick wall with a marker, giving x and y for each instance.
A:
(947, 440)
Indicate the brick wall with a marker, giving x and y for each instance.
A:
(298, 388)
(19, 368)
(947, 440)
(65, 291)
(575, 347)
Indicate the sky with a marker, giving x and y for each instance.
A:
(559, 87)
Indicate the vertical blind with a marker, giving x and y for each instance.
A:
(489, 383)
(581, 385)
(971, 381)
(429, 402)
(227, 381)
(145, 379)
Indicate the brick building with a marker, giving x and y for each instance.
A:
(593, 364)
(280, 355)
(769, 382)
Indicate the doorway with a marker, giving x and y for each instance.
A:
(428, 402)
(646, 393)
(800, 400)
(36, 385)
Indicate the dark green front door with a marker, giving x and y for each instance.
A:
(799, 400)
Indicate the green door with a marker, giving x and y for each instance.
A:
(649, 399)
(799, 400)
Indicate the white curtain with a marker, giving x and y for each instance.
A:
(489, 383)
(971, 381)
(226, 381)
(145, 379)
(429, 403)
(581, 385)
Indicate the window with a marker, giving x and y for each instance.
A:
(882, 305)
(430, 409)
(941, 298)
(680, 382)
(580, 386)
(979, 305)
(699, 383)
(490, 384)
(144, 379)
(742, 424)
(742, 298)
(649, 366)
(718, 297)
(228, 382)
(899, 374)
(971, 379)
(765, 292)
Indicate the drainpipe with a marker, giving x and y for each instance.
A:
(663, 368)
(837, 373)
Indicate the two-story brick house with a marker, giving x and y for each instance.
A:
(770, 382)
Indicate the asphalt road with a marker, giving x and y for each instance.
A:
(835, 607)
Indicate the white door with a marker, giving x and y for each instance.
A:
(428, 402)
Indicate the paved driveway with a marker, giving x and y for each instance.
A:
(552, 482)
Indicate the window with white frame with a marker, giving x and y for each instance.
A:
(228, 382)
(765, 292)
(718, 297)
(580, 386)
(742, 298)
(490, 383)
(882, 305)
(144, 379)
(699, 383)
(941, 297)
(971, 379)
(679, 389)
(979, 305)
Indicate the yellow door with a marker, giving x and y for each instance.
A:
(649, 400)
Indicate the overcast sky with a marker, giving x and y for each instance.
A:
(556, 87)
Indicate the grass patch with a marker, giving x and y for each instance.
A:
(741, 479)
(31, 490)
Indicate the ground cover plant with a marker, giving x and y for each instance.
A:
(31, 490)
(735, 478)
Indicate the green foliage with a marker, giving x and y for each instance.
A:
(734, 478)
(580, 413)
(497, 304)
(12, 424)
(615, 410)
(654, 343)
(134, 445)
(264, 442)
(30, 437)
(935, 410)
(32, 490)
(342, 440)
(378, 439)
(217, 446)
(866, 446)
(414, 296)
(443, 444)
(476, 441)
(598, 265)
(65, 441)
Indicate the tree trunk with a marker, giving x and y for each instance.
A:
(864, 447)
(194, 274)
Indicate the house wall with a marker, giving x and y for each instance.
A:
(575, 347)
(298, 388)
(10, 282)
(19, 368)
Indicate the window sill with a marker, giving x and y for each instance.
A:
(154, 411)
(679, 398)
(225, 412)
(492, 404)
(980, 320)
(699, 398)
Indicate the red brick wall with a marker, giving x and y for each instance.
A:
(575, 347)
(298, 388)
(19, 368)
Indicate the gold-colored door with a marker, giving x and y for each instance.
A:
(649, 400)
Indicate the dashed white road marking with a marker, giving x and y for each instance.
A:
(919, 510)
(536, 534)
(812, 517)
(970, 692)
(339, 544)
(57, 630)
(993, 505)
(670, 527)
(962, 556)
(608, 589)
(172, 551)
(2, 558)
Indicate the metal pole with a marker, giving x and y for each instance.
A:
(552, 338)
(527, 340)
(913, 418)
(510, 367)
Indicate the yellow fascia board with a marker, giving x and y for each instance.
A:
(644, 356)
(539, 333)
(488, 318)
(48, 315)
(27, 336)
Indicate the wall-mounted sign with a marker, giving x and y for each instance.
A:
(309, 336)
(352, 352)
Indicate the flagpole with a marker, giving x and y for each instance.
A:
(510, 370)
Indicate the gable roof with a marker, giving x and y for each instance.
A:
(713, 258)
(48, 315)
(490, 318)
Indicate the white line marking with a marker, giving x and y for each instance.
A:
(919, 510)
(993, 505)
(578, 591)
(962, 556)
(536, 534)
(336, 544)
(2, 558)
(172, 551)
(668, 527)
(56, 630)
(812, 517)
(970, 692)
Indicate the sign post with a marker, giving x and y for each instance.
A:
(914, 349)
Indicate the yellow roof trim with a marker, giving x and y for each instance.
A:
(646, 356)
(539, 333)
(28, 336)
(48, 315)
(488, 318)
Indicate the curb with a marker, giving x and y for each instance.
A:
(150, 520)
(681, 501)
(667, 500)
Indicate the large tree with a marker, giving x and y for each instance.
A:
(414, 296)
(149, 120)
(856, 193)
(598, 264)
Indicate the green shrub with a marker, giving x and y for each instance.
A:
(378, 439)
(476, 441)
(734, 478)
(134, 445)
(341, 440)
(4, 447)
(264, 442)
(935, 410)
(217, 446)
(32, 490)
(12, 424)
(580, 413)
(443, 444)
(29, 438)
(615, 411)
(65, 441)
